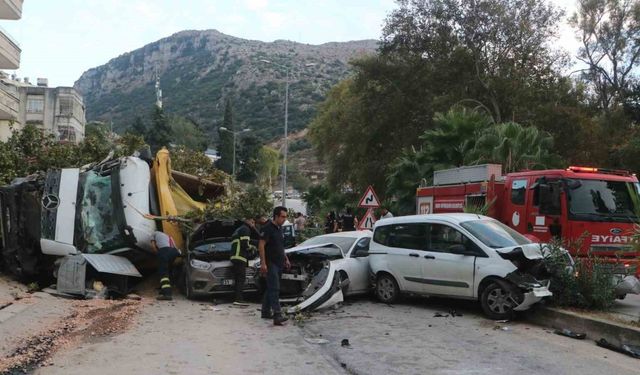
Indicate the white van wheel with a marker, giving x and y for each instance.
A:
(387, 290)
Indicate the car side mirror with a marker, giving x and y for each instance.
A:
(459, 249)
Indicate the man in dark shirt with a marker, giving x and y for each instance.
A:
(272, 261)
(349, 222)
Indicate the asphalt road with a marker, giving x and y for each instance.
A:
(199, 338)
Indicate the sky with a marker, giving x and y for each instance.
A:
(61, 39)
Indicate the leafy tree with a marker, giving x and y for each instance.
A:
(315, 197)
(445, 146)
(269, 165)
(504, 43)
(225, 143)
(138, 127)
(129, 143)
(188, 133)
(610, 34)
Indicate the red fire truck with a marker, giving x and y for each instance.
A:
(595, 205)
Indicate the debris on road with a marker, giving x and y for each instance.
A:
(630, 350)
(6, 304)
(314, 340)
(87, 320)
(345, 342)
(440, 315)
(569, 333)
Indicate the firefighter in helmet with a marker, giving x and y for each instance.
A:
(241, 251)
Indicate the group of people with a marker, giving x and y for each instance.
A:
(347, 221)
(273, 260)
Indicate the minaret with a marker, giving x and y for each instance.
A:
(158, 90)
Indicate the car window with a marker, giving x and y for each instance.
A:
(362, 246)
(494, 234)
(518, 191)
(381, 234)
(407, 236)
(442, 237)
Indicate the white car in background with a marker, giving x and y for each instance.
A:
(461, 256)
(325, 269)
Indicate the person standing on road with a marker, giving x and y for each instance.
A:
(299, 222)
(166, 253)
(349, 222)
(385, 214)
(241, 250)
(331, 224)
(272, 261)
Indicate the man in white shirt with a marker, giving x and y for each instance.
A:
(385, 214)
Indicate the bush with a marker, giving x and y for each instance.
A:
(587, 283)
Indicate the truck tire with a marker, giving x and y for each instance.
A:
(387, 290)
(497, 302)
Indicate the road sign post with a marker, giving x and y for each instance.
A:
(369, 201)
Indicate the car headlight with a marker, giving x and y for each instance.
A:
(200, 265)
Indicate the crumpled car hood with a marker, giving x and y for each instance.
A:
(531, 251)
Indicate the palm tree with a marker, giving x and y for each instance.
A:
(514, 146)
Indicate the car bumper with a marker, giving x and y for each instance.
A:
(532, 297)
(204, 282)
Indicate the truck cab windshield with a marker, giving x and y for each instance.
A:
(598, 200)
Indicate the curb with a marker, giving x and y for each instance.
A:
(595, 328)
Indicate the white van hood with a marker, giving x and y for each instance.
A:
(530, 251)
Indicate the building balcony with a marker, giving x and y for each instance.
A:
(10, 9)
(9, 51)
(9, 103)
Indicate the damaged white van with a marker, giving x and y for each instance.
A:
(461, 256)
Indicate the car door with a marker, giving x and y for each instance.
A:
(356, 266)
(443, 272)
(405, 244)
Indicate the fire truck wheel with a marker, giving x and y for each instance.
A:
(387, 290)
(497, 302)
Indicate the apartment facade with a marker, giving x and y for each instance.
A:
(58, 111)
(9, 59)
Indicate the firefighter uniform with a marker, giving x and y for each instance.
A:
(242, 251)
(166, 254)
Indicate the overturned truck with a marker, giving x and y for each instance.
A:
(101, 216)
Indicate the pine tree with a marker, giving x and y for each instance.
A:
(225, 143)
(159, 134)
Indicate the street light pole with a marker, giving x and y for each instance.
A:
(233, 167)
(286, 141)
(286, 125)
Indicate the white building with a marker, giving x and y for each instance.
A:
(58, 111)
(9, 59)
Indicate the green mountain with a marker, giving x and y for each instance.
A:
(198, 70)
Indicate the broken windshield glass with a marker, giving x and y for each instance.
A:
(99, 220)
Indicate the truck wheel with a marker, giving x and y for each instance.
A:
(497, 302)
(387, 290)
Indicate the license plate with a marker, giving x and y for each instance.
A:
(228, 282)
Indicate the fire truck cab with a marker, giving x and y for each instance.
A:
(590, 207)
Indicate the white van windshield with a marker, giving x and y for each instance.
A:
(494, 234)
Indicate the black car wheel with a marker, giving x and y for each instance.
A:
(498, 302)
